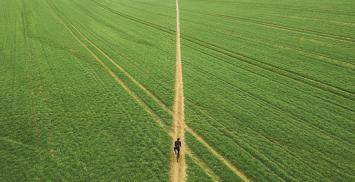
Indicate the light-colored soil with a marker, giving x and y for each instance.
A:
(178, 169)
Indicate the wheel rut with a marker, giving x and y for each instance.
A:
(179, 127)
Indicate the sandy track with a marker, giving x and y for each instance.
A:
(178, 169)
(179, 103)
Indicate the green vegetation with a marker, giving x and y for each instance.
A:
(195, 172)
(63, 116)
(269, 86)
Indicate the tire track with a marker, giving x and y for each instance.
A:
(283, 27)
(130, 77)
(291, 114)
(137, 20)
(209, 172)
(253, 61)
(29, 59)
(317, 56)
(275, 81)
(135, 96)
(117, 79)
(229, 133)
(308, 9)
(345, 24)
(234, 169)
(273, 68)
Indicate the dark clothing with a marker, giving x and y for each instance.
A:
(177, 146)
(177, 149)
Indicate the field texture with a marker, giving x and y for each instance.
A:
(87, 90)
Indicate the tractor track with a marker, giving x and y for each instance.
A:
(135, 96)
(276, 81)
(294, 116)
(70, 27)
(234, 169)
(33, 113)
(228, 133)
(273, 68)
(130, 77)
(317, 56)
(202, 165)
(244, 58)
(283, 27)
(113, 75)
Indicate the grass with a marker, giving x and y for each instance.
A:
(195, 172)
(277, 92)
(67, 119)
(268, 85)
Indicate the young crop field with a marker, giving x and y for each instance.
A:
(98, 90)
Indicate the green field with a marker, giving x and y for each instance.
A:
(87, 89)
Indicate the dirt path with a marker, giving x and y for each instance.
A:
(178, 169)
